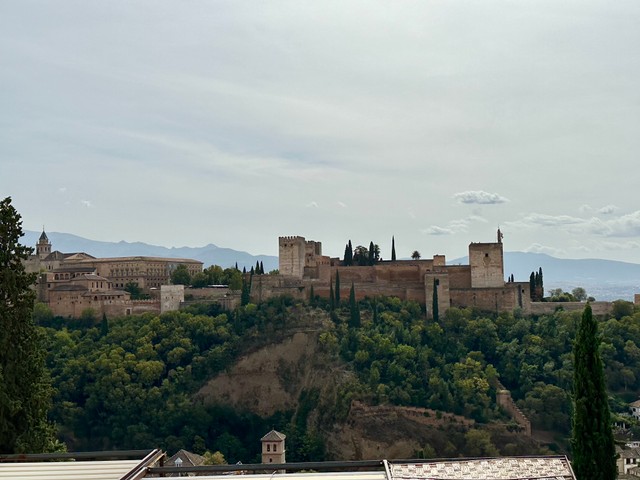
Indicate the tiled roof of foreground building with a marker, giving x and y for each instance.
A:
(520, 468)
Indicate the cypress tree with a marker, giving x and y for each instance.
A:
(252, 271)
(312, 297)
(371, 254)
(237, 266)
(393, 248)
(104, 326)
(532, 287)
(541, 283)
(354, 310)
(257, 270)
(261, 268)
(25, 389)
(592, 438)
(350, 253)
(337, 288)
(332, 297)
(245, 295)
(434, 309)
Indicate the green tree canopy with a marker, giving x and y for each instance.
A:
(25, 390)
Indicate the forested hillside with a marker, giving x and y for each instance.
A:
(165, 381)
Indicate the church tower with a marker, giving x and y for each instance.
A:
(43, 247)
(273, 450)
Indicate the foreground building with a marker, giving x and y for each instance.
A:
(144, 465)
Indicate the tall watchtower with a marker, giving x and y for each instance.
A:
(273, 449)
(291, 256)
(43, 247)
(487, 264)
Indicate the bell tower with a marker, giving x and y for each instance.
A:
(273, 450)
(43, 247)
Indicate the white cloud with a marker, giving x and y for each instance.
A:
(86, 203)
(436, 230)
(607, 210)
(342, 204)
(480, 197)
(312, 205)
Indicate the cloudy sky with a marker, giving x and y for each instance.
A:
(190, 122)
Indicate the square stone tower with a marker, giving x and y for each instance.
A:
(487, 265)
(273, 450)
(291, 256)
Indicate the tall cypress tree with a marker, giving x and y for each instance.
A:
(592, 438)
(354, 309)
(25, 389)
(434, 307)
(332, 297)
(371, 254)
(532, 287)
(337, 288)
(261, 268)
(393, 248)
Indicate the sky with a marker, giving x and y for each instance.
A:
(186, 122)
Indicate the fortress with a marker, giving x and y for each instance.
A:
(480, 284)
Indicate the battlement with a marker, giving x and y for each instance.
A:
(295, 238)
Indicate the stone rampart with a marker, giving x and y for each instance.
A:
(503, 398)
(546, 308)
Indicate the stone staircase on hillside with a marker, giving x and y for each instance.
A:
(503, 398)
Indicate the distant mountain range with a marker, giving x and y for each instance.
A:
(603, 279)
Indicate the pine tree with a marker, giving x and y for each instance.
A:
(393, 249)
(337, 288)
(434, 308)
(25, 389)
(354, 309)
(592, 439)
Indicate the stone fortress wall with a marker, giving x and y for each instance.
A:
(480, 284)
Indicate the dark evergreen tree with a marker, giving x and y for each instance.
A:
(347, 260)
(354, 309)
(594, 456)
(371, 254)
(312, 297)
(434, 307)
(393, 249)
(252, 271)
(332, 297)
(237, 266)
(532, 287)
(257, 269)
(540, 283)
(245, 295)
(25, 390)
(244, 269)
(261, 268)
(104, 325)
(337, 288)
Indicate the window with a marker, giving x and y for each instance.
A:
(268, 447)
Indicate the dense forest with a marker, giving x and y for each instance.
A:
(130, 382)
